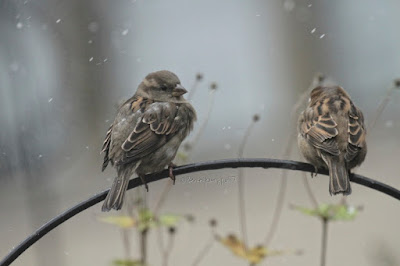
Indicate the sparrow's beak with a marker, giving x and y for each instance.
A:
(178, 91)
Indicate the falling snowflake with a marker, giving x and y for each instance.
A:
(93, 26)
(289, 5)
(389, 124)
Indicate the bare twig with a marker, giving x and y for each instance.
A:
(382, 105)
(324, 241)
(199, 78)
(143, 246)
(290, 143)
(127, 243)
(278, 209)
(310, 193)
(205, 121)
(167, 251)
(163, 196)
(160, 236)
(204, 251)
(160, 202)
(242, 203)
(144, 232)
(318, 80)
(125, 234)
(213, 87)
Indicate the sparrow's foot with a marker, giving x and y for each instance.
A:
(144, 183)
(315, 172)
(171, 174)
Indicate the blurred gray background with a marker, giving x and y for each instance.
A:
(64, 66)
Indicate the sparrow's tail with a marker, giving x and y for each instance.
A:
(115, 196)
(339, 181)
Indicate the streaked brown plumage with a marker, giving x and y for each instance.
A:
(146, 132)
(332, 135)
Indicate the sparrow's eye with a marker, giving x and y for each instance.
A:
(164, 88)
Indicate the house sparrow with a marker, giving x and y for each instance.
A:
(147, 132)
(332, 135)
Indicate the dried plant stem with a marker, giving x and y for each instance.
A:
(382, 105)
(241, 197)
(167, 251)
(324, 241)
(204, 251)
(127, 243)
(205, 121)
(242, 207)
(380, 108)
(160, 241)
(310, 193)
(281, 195)
(168, 186)
(144, 232)
(143, 246)
(278, 209)
(125, 234)
(193, 89)
(317, 80)
(163, 196)
(160, 202)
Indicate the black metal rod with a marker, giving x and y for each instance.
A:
(185, 169)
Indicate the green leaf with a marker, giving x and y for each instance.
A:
(127, 263)
(169, 219)
(334, 212)
(183, 156)
(344, 213)
(145, 214)
(120, 221)
(146, 219)
(306, 211)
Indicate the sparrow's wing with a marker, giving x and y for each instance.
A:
(106, 148)
(357, 132)
(320, 129)
(160, 122)
(135, 104)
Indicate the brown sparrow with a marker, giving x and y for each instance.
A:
(332, 135)
(147, 132)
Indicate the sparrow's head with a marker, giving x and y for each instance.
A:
(162, 86)
(321, 92)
